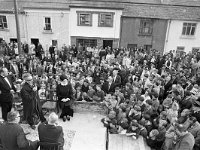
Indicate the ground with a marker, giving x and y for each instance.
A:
(85, 132)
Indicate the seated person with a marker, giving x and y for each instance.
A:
(51, 132)
(12, 135)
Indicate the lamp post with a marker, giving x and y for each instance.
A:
(17, 27)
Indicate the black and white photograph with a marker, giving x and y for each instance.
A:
(99, 74)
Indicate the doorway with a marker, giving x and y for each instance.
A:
(1, 39)
(14, 40)
(107, 43)
(35, 42)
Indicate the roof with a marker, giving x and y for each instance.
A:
(8, 5)
(182, 2)
(90, 4)
(162, 12)
(163, 9)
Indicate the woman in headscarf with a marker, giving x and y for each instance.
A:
(65, 98)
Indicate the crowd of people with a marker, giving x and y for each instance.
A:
(147, 94)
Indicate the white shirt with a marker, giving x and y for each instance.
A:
(8, 81)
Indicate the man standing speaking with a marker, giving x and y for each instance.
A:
(31, 104)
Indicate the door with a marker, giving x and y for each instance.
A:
(35, 42)
(13, 40)
(1, 39)
(107, 43)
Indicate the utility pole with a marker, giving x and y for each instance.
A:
(17, 27)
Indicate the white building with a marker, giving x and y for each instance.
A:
(183, 36)
(42, 21)
(8, 26)
(49, 27)
(95, 25)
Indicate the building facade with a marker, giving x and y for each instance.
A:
(49, 27)
(183, 36)
(143, 32)
(93, 27)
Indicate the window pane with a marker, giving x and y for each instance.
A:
(5, 25)
(146, 26)
(184, 24)
(84, 19)
(193, 31)
(188, 30)
(184, 31)
(105, 20)
(47, 20)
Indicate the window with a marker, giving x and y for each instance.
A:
(189, 29)
(84, 19)
(132, 46)
(105, 20)
(3, 22)
(148, 47)
(47, 23)
(146, 27)
(87, 42)
(195, 50)
(54, 43)
(180, 51)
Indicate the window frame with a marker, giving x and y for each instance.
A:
(142, 27)
(2, 17)
(105, 24)
(187, 30)
(84, 13)
(46, 24)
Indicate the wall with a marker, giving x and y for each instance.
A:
(130, 33)
(174, 38)
(6, 34)
(94, 30)
(35, 23)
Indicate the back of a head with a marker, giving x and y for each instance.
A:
(53, 118)
(12, 115)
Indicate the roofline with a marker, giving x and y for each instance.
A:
(197, 19)
(163, 4)
(46, 8)
(11, 12)
(96, 7)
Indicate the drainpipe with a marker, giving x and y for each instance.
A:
(120, 34)
(17, 26)
(167, 36)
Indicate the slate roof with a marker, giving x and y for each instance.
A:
(162, 9)
(162, 12)
(8, 5)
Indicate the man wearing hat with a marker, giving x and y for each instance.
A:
(30, 101)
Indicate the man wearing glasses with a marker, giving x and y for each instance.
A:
(12, 136)
(30, 101)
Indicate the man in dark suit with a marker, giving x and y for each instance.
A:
(12, 136)
(108, 87)
(116, 78)
(31, 105)
(6, 92)
(51, 132)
